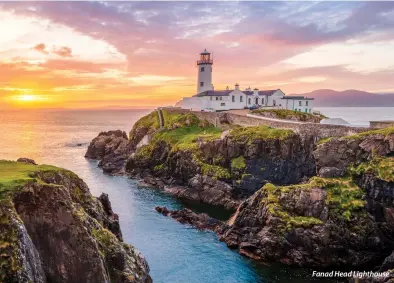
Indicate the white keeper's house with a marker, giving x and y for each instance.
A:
(209, 98)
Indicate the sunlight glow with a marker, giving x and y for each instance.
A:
(28, 98)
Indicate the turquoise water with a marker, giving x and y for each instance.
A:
(176, 253)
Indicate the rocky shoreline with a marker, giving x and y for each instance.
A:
(299, 200)
(53, 230)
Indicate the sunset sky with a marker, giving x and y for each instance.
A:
(142, 54)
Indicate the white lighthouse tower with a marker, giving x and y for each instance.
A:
(204, 78)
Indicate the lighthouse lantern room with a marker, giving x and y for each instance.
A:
(204, 78)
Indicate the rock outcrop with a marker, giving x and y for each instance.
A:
(195, 160)
(185, 216)
(298, 201)
(53, 230)
(192, 159)
(112, 149)
(289, 115)
(342, 219)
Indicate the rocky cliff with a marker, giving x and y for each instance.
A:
(298, 200)
(191, 158)
(53, 230)
(341, 218)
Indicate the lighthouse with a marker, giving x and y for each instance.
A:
(204, 77)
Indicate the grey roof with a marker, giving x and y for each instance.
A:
(261, 92)
(214, 93)
(227, 92)
(296, 97)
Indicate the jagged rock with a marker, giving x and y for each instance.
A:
(207, 190)
(340, 153)
(111, 221)
(56, 231)
(112, 149)
(26, 160)
(185, 216)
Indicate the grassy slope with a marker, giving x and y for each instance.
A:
(250, 134)
(344, 199)
(382, 167)
(288, 114)
(15, 174)
(385, 131)
(183, 131)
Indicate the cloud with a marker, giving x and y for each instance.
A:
(40, 48)
(356, 57)
(63, 51)
(146, 48)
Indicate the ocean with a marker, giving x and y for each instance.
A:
(176, 253)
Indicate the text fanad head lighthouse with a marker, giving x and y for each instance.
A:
(204, 78)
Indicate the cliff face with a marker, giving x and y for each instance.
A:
(342, 216)
(54, 230)
(195, 160)
(344, 219)
(345, 216)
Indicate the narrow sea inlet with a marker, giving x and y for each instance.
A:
(176, 253)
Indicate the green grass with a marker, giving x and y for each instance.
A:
(185, 138)
(150, 121)
(238, 163)
(288, 114)
(382, 167)
(272, 203)
(386, 131)
(324, 140)
(215, 171)
(173, 120)
(344, 199)
(16, 174)
(249, 134)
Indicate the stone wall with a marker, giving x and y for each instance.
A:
(319, 131)
(381, 124)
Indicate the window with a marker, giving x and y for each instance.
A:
(201, 83)
(274, 102)
(222, 104)
(257, 100)
(306, 110)
(306, 103)
(233, 98)
(299, 103)
(220, 98)
(262, 101)
(310, 111)
(240, 99)
(211, 97)
(217, 98)
(202, 69)
(249, 101)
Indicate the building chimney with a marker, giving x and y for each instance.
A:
(236, 86)
(227, 88)
(256, 91)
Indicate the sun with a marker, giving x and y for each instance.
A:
(27, 97)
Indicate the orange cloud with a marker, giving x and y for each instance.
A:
(63, 51)
(40, 48)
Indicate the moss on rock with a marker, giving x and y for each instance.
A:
(150, 121)
(381, 167)
(238, 163)
(385, 132)
(289, 115)
(250, 134)
(14, 175)
(344, 200)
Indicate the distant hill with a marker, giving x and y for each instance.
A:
(349, 98)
